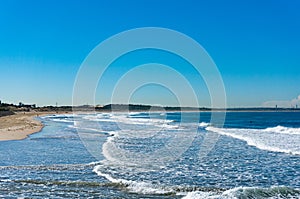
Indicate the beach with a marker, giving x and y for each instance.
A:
(20, 125)
(157, 155)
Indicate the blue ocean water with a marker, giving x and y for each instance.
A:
(156, 155)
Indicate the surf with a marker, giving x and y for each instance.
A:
(275, 139)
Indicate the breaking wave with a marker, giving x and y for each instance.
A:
(194, 192)
(247, 192)
(276, 139)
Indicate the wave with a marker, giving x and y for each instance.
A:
(102, 117)
(140, 120)
(63, 120)
(133, 186)
(153, 123)
(248, 192)
(137, 114)
(275, 139)
(204, 124)
(5, 180)
(195, 192)
(284, 130)
(140, 187)
(129, 119)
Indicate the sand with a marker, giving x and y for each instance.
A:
(20, 125)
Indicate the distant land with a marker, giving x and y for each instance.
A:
(9, 109)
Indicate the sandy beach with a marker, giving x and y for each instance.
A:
(20, 125)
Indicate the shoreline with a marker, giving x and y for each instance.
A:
(20, 125)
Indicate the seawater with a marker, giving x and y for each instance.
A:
(156, 155)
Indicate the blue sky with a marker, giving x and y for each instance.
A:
(255, 45)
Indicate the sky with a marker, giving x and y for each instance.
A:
(254, 44)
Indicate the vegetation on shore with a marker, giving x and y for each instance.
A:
(10, 109)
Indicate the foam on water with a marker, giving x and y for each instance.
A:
(133, 114)
(247, 192)
(145, 146)
(133, 186)
(204, 124)
(99, 118)
(192, 192)
(276, 139)
(284, 130)
(140, 121)
(199, 195)
(125, 119)
(63, 120)
(134, 145)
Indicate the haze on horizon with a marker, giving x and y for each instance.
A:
(255, 45)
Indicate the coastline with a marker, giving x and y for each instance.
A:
(20, 125)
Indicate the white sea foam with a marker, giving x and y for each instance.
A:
(125, 119)
(228, 194)
(168, 126)
(94, 163)
(63, 120)
(99, 118)
(198, 195)
(140, 121)
(203, 124)
(134, 186)
(276, 192)
(140, 187)
(284, 130)
(155, 124)
(135, 113)
(276, 139)
(5, 180)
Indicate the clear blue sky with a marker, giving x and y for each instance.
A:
(255, 44)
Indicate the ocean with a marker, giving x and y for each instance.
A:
(156, 155)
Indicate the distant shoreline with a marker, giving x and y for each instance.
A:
(7, 109)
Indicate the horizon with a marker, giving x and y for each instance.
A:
(255, 46)
(153, 105)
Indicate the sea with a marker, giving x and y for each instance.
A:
(156, 155)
